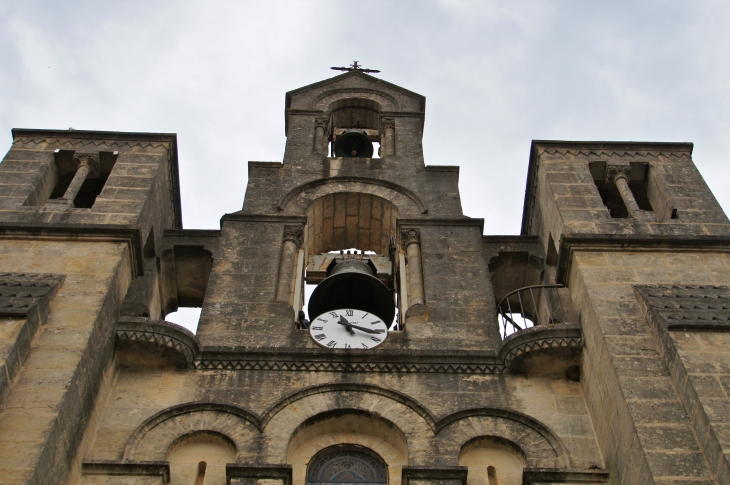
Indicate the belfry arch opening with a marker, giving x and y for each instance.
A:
(355, 128)
(343, 226)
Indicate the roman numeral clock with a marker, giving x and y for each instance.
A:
(351, 309)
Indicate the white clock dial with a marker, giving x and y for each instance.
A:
(348, 329)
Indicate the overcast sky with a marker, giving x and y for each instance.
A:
(496, 75)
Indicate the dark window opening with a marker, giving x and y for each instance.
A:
(91, 188)
(639, 189)
(613, 201)
(347, 465)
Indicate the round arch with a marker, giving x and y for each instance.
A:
(152, 440)
(298, 199)
(539, 444)
(350, 428)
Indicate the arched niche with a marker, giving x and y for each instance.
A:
(153, 439)
(200, 457)
(347, 427)
(492, 461)
(540, 446)
(355, 113)
(296, 201)
(350, 220)
(325, 100)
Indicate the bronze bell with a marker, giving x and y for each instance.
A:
(353, 143)
(352, 285)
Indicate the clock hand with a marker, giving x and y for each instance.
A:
(366, 330)
(347, 325)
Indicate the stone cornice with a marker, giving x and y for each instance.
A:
(127, 468)
(632, 242)
(539, 338)
(237, 216)
(159, 332)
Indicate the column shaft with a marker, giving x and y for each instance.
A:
(286, 269)
(628, 197)
(415, 275)
(79, 178)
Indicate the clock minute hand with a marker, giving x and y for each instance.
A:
(366, 330)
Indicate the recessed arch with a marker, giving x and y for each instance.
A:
(153, 438)
(350, 220)
(200, 457)
(323, 101)
(408, 203)
(541, 446)
(347, 428)
(492, 461)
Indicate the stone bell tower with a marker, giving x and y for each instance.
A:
(589, 349)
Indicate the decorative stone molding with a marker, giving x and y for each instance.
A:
(321, 122)
(244, 473)
(410, 236)
(540, 337)
(448, 475)
(159, 332)
(344, 366)
(129, 468)
(614, 153)
(387, 124)
(294, 234)
(90, 161)
(550, 476)
(701, 307)
(616, 170)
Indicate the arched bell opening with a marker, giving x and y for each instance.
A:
(492, 461)
(356, 230)
(354, 128)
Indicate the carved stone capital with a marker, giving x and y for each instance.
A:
(321, 122)
(410, 236)
(294, 234)
(90, 161)
(617, 170)
(387, 123)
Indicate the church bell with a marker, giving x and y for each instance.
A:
(352, 284)
(353, 143)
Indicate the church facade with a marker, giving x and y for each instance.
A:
(592, 348)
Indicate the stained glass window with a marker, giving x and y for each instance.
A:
(346, 466)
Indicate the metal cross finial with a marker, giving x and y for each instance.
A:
(355, 66)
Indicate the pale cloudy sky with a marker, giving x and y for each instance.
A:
(496, 75)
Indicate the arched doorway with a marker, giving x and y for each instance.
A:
(347, 465)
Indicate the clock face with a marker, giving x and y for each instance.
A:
(348, 329)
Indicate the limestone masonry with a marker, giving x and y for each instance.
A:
(592, 348)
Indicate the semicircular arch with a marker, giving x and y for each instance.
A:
(152, 439)
(541, 447)
(324, 100)
(298, 199)
(412, 419)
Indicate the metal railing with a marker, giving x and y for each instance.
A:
(529, 306)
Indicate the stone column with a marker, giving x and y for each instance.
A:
(387, 143)
(618, 173)
(88, 167)
(293, 236)
(411, 241)
(320, 130)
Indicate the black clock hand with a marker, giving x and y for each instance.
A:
(366, 330)
(347, 325)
